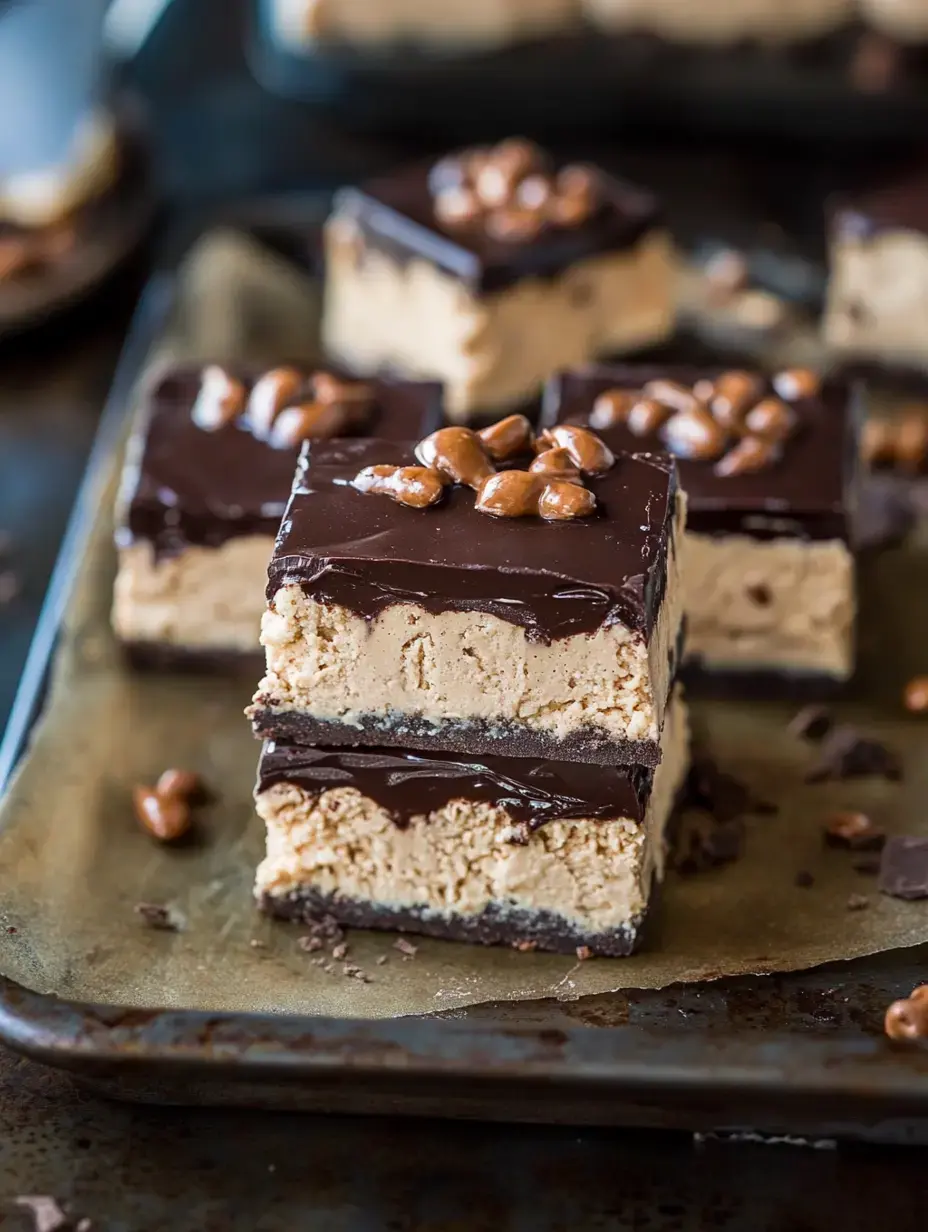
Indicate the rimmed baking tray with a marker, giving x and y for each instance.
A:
(785, 1054)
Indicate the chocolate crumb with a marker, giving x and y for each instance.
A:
(904, 867)
(584, 953)
(355, 973)
(853, 830)
(405, 947)
(804, 879)
(340, 951)
(382, 959)
(858, 902)
(159, 916)
(847, 754)
(703, 843)
(46, 1212)
(525, 947)
(811, 723)
(867, 868)
(310, 944)
(325, 927)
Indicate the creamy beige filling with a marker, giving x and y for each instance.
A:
(42, 197)
(458, 860)
(202, 599)
(407, 662)
(878, 297)
(903, 19)
(723, 21)
(435, 23)
(491, 351)
(783, 604)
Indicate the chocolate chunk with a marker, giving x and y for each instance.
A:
(804, 879)
(725, 797)
(702, 843)
(160, 917)
(904, 867)
(853, 830)
(908, 1019)
(811, 723)
(846, 754)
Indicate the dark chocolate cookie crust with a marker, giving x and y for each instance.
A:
(475, 737)
(496, 925)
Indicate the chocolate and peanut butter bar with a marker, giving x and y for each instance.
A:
(713, 23)
(877, 307)
(769, 468)
(521, 851)
(491, 269)
(207, 478)
(469, 595)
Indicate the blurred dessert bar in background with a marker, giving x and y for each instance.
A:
(877, 305)
(491, 269)
(207, 477)
(724, 21)
(769, 467)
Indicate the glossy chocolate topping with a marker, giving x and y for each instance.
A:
(555, 579)
(396, 215)
(411, 784)
(898, 206)
(187, 486)
(809, 492)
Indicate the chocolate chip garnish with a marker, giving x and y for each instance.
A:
(908, 1019)
(556, 464)
(794, 384)
(416, 486)
(611, 408)
(749, 456)
(811, 723)
(671, 393)
(771, 420)
(157, 915)
(512, 435)
(457, 453)
(694, 434)
(220, 401)
(916, 695)
(592, 455)
(733, 396)
(646, 416)
(271, 393)
(166, 817)
(904, 867)
(854, 831)
(846, 754)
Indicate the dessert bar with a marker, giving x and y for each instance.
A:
(401, 24)
(723, 21)
(207, 477)
(491, 269)
(537, 615)
(532, 853)
(769, 469)
(877, 306)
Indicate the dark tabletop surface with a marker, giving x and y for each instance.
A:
(149, 1168)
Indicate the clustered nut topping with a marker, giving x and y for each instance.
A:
(899, 443)
(510, 192)
(284, 407)
(551, 487)
(164, 810)
(732, 420)
(908, 1019)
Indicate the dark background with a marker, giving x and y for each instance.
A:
(218, 137)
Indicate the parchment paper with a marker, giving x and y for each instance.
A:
(73, 862)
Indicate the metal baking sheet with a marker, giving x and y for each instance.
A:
(234, 994)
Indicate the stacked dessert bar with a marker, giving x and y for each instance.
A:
(470, 723)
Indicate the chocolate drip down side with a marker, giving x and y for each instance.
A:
(407, 785)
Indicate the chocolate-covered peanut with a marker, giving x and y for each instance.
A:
(220, 401)
(671, 393)
(585, 449)
(794, 384)
(751, 454)
(611, 408)
(165, 817)
(512, 435)
(458, 453)
(562, 501)
(908, 1019)
(771, 420)
(556, 464)
(646, 416)
(510, 494)
(328, 388)
(272, 392)
(306, 422)
(694, 434)
(416, 486)
(733, 396)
